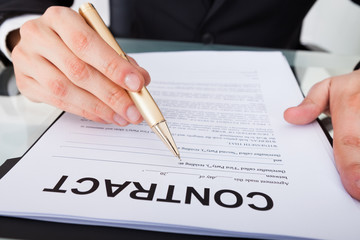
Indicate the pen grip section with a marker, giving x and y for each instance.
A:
(147, 106)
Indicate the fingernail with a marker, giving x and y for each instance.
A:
(132, 81)
(133, 114)
(121, 121)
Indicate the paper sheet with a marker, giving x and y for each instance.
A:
(244, 170)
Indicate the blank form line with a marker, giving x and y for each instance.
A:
(158, 171)
(113, 136)
(149, 164)
(163, 150)
(239, 161)
(231, 147)
(114, 150)
(166, 155)
(191, 174)
(178, 142)
(239, 156)
(117, 145)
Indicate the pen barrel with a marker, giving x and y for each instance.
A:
(93, 19)
(147, 107)
(142, 99)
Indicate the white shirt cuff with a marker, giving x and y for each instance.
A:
(9, 25)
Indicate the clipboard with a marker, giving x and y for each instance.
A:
(11, 162)
(33, 229)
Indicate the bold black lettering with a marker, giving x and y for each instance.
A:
(149, 194)
(57, 186)
(169, 196)
(203, 200)
(109, 187)
(269, 201)
(237, 203)
(95, 185)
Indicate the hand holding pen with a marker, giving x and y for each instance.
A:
(72, 65)
(60, 60)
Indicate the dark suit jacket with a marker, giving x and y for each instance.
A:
(270, 23)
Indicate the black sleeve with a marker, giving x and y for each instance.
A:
(12, 8)
(357, 67)
(356, 1)
(17, 7)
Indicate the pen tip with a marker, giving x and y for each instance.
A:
(179, 157)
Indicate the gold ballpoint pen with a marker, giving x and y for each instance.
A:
(142, 99)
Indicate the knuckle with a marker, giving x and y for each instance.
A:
(28, 28)
(93, 110)
(85, 114)
(80, 42)
(58, 88)
(54, 11)
(116, 97)
(351, 141)
(98, 108)
(52, 15)
(110, 67)
(77, 70)
(90, 116)
(17, 53)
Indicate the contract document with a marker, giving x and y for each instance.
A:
(244, 171)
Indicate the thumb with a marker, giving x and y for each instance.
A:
(316, 102)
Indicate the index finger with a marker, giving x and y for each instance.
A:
(86, 44)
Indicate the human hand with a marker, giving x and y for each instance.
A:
(339, 96)
(62, 61)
